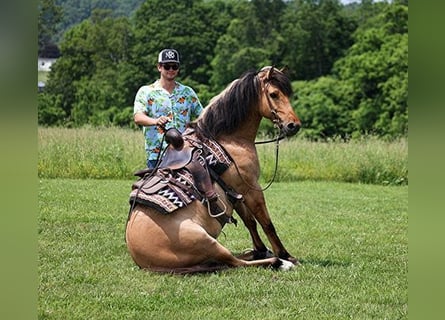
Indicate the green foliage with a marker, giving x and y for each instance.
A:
(191, 27)
(50, 14)
(377, 67)
(48, 113)
(317, 34)
(93, 75)
(351, 239)
(368, 90)
(76, 11)
(324, 105)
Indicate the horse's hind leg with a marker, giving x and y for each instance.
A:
(204, 248)
(222, 254)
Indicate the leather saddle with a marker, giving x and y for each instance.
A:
(176, 158)
(178, 154)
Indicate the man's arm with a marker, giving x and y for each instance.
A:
(141, 119)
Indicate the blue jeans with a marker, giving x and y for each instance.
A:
(151, 164)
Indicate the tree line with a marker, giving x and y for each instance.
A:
(348, 63)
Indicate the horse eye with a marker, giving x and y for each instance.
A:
(274, 95)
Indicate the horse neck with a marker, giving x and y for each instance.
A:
(249, 129)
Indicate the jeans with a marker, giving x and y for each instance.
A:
(151, 164)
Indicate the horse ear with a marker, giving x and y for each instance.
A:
(284, 69)
(270, 73)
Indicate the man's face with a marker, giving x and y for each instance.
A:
(168, 70)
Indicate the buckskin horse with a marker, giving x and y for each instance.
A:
(185, 241)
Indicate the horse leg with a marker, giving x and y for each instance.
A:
(199, 252)
(217, 252)
(257, 205)
(260, 251)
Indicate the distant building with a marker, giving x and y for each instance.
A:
(47, 55)
(44, 64)
(41, 86)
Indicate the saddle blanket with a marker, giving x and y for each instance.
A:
(167, 190)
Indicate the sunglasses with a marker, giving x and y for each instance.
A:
(170, 66)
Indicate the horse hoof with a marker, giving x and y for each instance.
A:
(286, 265)
(294, 261)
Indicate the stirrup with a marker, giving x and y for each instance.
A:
(216, 214)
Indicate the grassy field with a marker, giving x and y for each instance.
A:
(351, 239)
(112, 153)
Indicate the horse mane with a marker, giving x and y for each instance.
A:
(228, 110)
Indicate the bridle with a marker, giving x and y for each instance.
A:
(275, 118)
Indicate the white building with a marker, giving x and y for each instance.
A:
(44, 64)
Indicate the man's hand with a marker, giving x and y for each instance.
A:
(162, 120)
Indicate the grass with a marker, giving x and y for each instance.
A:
(107, 153)
(112, 153)
(368, 160)
(351, 239)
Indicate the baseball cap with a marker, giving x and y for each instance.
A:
(168, 55)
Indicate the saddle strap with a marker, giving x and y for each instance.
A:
(232, 195)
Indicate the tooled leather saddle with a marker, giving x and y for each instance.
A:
(171, 186)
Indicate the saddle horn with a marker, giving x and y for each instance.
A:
(174, 138)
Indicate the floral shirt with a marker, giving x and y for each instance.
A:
(182, 106)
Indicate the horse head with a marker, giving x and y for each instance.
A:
(276, 106)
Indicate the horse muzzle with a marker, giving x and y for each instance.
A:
(291, 128)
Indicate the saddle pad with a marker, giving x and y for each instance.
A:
(216, 157)
(166, 191)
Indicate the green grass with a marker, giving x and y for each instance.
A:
(107, 153)
(368, 160)
(112, 153)
(351, 239)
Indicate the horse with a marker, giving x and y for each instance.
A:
(186, 240)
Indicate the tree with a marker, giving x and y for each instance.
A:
(76, 11)
(367, 91)
(377, 68)
(191, 27)
(324, 105)
(252, 40)
(350, 80)
(316, 34)
(49, 16)
(93, 72)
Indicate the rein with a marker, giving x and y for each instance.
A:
(276, 121)
(277, 147)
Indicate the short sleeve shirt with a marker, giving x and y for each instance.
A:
(182, 107)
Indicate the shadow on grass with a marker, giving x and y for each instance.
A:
(325, 262)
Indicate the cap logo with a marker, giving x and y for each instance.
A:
(170, 55)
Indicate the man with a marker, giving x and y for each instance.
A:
(164, 104)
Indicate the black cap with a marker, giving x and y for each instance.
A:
(168, 55)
